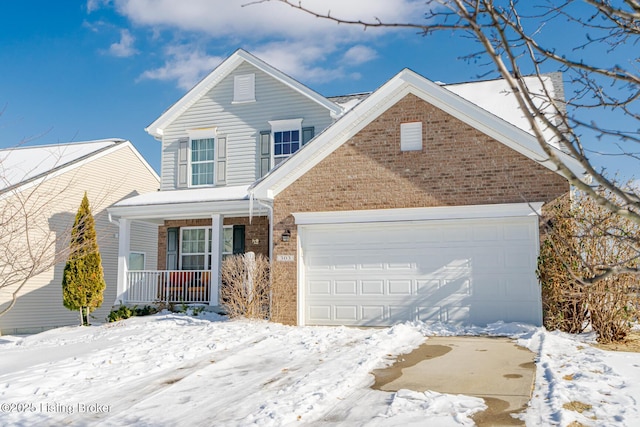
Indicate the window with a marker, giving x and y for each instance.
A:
(285, 136)
(411, 136)
(244, 88)
(196, 245)
(202, 160)
(195, 248)
(227, 242)
(136, 261)
(285, 143)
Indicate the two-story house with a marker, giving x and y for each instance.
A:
(412, 202)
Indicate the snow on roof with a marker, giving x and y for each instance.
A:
(491, 95)
(192, 195)
(496, 97)
(21, 164)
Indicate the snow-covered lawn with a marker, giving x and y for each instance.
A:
(174, 370)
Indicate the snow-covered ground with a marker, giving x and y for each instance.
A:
(174, 370)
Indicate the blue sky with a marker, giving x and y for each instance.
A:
(92, 69)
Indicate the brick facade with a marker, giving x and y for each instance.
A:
(458, 165)
(257, 229)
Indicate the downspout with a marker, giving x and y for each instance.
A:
(270, 209)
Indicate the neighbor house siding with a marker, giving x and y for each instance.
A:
(240, 123)
(457, 165)
(106, 180)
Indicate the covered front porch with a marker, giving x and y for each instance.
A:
(196, 230)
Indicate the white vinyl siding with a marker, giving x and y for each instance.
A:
(241, 123)
(106, 179)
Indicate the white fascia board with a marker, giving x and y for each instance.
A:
(160, 212)
(505, 210)
(156, 128)
(391, 92)
(142, 160)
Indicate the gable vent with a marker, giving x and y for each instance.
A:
(244, 88)
(411, 136)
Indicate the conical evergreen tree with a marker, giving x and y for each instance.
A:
(83, 282)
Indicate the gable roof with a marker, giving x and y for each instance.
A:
(21, 166)
(239, 57)
(404, 83)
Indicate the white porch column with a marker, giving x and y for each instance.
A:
(216, 258)
(124, 242)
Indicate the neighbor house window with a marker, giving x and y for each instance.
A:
(285, 135)
(136, 261)
(195, 248)
(202, 161)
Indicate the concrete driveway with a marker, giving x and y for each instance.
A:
(494, 369)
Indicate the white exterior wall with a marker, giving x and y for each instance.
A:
(107, 179)
(240, 123)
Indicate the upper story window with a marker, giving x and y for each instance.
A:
(244, 88)
(202, 161)
(285, 138)
(285, 143)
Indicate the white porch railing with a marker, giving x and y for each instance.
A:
(174, 286)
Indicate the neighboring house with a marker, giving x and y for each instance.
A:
(54, 179)
(411, 202)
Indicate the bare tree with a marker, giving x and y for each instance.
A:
(30, 242)
(595, 43)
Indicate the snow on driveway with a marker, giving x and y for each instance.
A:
(174, 370)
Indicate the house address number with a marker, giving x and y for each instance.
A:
(285, 258)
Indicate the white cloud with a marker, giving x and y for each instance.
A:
(240, 18)
(124, 48)
(359, 54)
(305, 47)
(93, 5)
(185, 65)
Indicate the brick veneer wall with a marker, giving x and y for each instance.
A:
(258, 229)
(457, 165)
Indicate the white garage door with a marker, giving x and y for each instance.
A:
(469, 271)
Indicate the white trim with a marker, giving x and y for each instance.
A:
(124, 247)
(203, 133)
(157, 127)
(404, 83)
(227, 227)
(300, 275)
(216, 258)
(419, 214)
(283, 125)
(159, 212)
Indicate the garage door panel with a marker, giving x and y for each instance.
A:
(400, 287)
(461, 271)
(319, 287)
(373, 313)
(346, 287)
(346, 313)
(372, 287)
